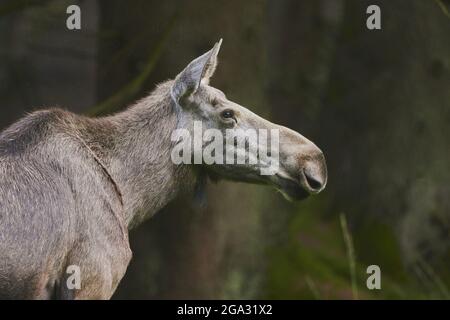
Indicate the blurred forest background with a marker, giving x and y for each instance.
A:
(376, 102)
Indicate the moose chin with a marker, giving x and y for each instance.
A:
(71, 186)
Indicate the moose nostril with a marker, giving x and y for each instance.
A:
(313, 182)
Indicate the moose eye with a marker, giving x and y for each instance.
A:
(227, 114)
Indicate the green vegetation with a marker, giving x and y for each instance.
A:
(314, 262)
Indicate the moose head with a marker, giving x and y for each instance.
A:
(232, 142)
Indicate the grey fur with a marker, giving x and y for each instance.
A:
(71, 186)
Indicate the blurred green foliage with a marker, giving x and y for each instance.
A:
(313, 262)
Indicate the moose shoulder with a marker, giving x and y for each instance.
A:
(71, 186)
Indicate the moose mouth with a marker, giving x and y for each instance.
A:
(299, 188)
(293, 189)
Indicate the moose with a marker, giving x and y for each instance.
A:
(72, 186)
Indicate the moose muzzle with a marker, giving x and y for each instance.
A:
(303, 170)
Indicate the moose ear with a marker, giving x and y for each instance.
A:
(199, 70)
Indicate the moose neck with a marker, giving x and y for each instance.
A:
(140, 161)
